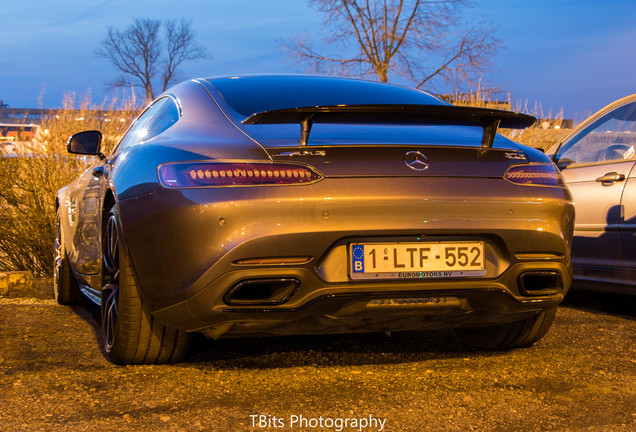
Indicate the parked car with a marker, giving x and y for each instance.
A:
(275, 205)
(597, 161)
(18, 140)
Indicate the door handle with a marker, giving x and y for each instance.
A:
(99, 171)
(611, 177)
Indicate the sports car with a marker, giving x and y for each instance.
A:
(277, 205)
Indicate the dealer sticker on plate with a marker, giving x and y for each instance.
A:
(417, 260)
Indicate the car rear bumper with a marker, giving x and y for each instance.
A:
(188, 250)
(319, 307)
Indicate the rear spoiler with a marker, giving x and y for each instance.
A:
(488, 119)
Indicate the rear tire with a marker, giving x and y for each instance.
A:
(510, 335)
(65, 287)
(130, 333)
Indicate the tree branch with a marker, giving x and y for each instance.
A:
(410, 38)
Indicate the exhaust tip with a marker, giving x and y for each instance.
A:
(540, 283)
(261, 292)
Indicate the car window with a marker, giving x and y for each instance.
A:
(165, 116)
(155, 120)
(611, 138)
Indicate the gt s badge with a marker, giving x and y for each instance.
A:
(515, 155)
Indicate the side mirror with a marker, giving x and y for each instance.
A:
(85, 143)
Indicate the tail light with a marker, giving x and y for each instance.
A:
(211, 174)
(534, 175)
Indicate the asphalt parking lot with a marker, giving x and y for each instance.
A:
(580, 377)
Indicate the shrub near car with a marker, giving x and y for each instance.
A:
(275, 205)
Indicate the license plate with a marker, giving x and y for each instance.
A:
(417, 260)
(414, 302)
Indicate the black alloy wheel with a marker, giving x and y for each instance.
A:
(65, 287)
(110, 291)
(131, 335)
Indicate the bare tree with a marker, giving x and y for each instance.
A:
(422, 41)
(146, 56)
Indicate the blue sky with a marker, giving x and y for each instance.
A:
(574, 55)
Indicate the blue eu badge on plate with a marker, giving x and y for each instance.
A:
(357, 254)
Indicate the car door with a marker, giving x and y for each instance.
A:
(628, 225)
(85, 204)
(87, 196)
(596, 163)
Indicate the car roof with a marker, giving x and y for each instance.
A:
(257, 93)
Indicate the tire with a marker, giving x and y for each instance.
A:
(65, 287)
(510, 335)
(130, 333)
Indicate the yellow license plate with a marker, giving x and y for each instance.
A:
(417, 260)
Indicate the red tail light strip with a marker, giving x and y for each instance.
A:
(211, 174)
(534, 175)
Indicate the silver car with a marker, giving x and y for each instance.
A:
(597, 161)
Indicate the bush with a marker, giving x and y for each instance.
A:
(537, 135)
(29, 182)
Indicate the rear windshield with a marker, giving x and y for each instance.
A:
(249, 95)
(254, 94)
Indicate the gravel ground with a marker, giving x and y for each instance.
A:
(580, 377)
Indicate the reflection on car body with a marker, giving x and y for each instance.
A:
(597, 161)
(272, 205)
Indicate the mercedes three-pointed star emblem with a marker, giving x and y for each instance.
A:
(416, 160)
